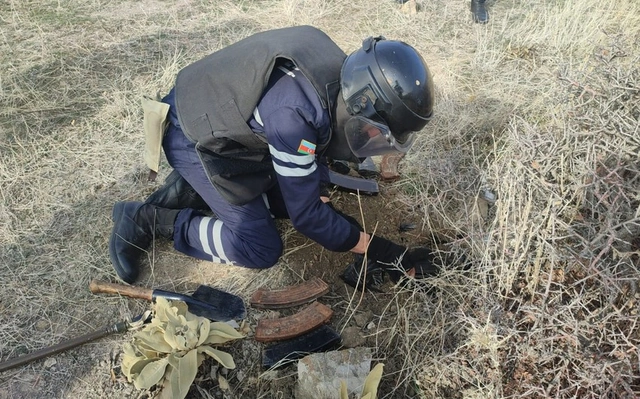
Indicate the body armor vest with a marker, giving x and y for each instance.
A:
(216, 97)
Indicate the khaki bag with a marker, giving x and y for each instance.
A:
(155, 124)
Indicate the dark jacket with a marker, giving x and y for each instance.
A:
(216, 96)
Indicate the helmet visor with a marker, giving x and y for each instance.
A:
(367, 138)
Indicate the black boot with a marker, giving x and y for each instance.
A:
(176, 193)
(135, 225)
(479, 11)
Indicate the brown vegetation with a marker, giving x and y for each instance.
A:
(529, 171)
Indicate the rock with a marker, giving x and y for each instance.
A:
(410, 7)
(42, 325)
(362, 318)
(389, 166)
(320, 374)
(351, 337)
(50, 362)
(223, 383)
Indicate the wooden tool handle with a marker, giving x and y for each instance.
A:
(102, 287)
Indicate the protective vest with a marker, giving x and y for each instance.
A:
(216, 96)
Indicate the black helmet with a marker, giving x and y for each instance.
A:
(388, 91)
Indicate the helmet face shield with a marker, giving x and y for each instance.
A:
(367, 137)
(389, 94)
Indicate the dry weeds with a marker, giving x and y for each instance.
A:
(540, 107)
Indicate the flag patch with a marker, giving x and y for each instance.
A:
(307, 147)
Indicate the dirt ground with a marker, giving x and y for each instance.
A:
(363, 320)
(541, 107)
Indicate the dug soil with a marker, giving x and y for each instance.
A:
(362, 319)
(365, 319)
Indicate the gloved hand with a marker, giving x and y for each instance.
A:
(363, 276)
(417, 262)
(382, 257)
(384, 251)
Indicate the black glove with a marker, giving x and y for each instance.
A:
(359, 276)
(421, 261)
(388, 254)
(381, 257)
(385, 251)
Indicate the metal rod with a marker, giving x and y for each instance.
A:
(63, 346)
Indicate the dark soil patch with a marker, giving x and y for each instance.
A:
(365, 318)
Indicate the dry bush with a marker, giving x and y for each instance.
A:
(549, 306)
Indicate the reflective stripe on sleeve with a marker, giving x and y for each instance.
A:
(292, 165)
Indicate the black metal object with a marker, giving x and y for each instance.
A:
(364, 186)
(321, 339)
(229, 305)
(208, 302)
(71, 343)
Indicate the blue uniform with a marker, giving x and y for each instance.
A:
(291, 119)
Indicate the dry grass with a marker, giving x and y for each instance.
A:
(550, 306)
(541, 107)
